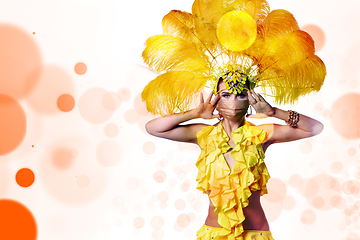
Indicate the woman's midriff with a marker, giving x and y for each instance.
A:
(255, 218)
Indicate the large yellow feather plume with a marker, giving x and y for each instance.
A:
(172, 91)
(179, 24)
(278, 55)
(169, 53)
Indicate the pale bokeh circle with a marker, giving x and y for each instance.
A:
(124, 211)
(53, 82)
(157, 222)
(338, 202)
(158, 234)
(109, 153)
(180, 204)
(124, 94)
(118, 222)
(318, 202)
(62, 183)
(289, 203)
(272, 209)
(336, 167)
(305, 147)
(163, 205)
(91, 106)
(163, 196)
(140, 106)
(110, 101)
(149, 147)
(346, 115)
(295, 180)
(118, 201)
(183, 220)
(352, 151)
(353, 236)
(83, 181)
(131, 116)
(73, 153)
(276, 189)
(308, 217)
(139, 222)
(160, 176)
(309, 188)
(111, 130)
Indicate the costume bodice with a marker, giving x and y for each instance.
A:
(231, 188)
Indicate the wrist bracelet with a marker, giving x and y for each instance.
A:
(293, 119)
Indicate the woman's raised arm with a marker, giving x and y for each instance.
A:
(306, 126)
(169, 126)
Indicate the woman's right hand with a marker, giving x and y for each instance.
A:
(206, 108)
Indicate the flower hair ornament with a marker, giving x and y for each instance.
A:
(238, 41)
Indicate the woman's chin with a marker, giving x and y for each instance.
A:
(236, 118)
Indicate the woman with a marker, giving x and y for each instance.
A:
(233, 46)
(251, 221)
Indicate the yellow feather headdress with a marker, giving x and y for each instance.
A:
(236, 40)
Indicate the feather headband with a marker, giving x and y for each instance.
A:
(236, 41)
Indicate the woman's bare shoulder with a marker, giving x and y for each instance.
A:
(268, 128)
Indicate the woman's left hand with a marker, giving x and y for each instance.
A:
(259, 104)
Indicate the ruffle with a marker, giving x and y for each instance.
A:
(231, 188)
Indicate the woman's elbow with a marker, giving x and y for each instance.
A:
(149, 129)
(318, 128)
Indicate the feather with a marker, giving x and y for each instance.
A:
(278, 23)
(179, 24)
(271, 34)
(207, 14)
(172, 91)
(189, 54)
(258, 9)
(291, 49)
(292, 82)
(168, 53)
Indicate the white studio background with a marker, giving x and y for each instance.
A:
(99, 175)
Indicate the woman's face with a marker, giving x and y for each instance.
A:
(224, 94)
(231, 106)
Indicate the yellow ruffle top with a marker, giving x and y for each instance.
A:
(231, 188)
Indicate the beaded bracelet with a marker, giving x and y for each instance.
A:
(293, 118)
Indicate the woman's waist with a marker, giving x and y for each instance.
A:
(253, 210)
(254, 221)
(255, 218)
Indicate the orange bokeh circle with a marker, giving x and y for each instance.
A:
(66, 102)
(317, 34)
(16, 221)
(12, 124)
(20, 61)
(80, 68)
(25, 177)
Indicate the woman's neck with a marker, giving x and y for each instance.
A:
(231, 125)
